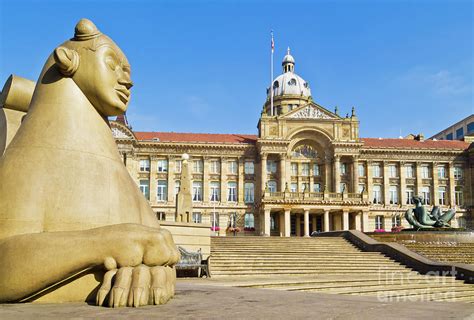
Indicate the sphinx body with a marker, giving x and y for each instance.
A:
(67, 203)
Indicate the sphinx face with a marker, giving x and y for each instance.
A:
(104, 77)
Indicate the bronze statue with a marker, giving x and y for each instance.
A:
(419, 218)
(73, 222)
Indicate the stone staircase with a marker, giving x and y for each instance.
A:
(455, 252)
(326, 265)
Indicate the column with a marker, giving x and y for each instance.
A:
(263, 171)
(345, 219)
(326, 221)
(386, 183)
(223, 179)
(418, 178)
(306, 223)
(266, 222)
(403, 184)
(435, 183)
(240, 183)
(370, 181)
(287, 226)
(355, 174)
(153, 177)
(337, 174)
(205, 180)
(298, 225)
(452, 185)
(365, 221)
(282, 172)
(358, 221)
(327, 174)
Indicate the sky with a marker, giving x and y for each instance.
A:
(203, 66)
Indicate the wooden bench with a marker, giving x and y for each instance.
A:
(193, 261)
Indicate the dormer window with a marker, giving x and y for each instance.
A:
(276, 84)
(292, 82)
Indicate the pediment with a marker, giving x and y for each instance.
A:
(119, 132)
(311, 111)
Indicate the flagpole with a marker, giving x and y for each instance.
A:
(272, 113)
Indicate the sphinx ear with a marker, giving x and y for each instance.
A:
(67, 60)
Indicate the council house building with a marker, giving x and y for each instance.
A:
(307, 169)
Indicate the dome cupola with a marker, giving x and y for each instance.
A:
(288, 62)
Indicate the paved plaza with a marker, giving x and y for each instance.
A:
(207, 299)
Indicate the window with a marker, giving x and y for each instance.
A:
(441, 172)
(179, 165)
(249, 191)
(393, 192)
(449, 136)
(232, 167)
(410, 171)
(458, 195)
(376, 190)
(249, 167)
(392, 171)
(271, 166)
(215, 190)
(197, 217)
(232, 191)
(215, 220)
(177, 186)
(294, 187)
(316, 170)
(410, 193)
(197, 166)
(272, 186)
(249, 221)
(361, 188)
(425, 172)
(215, 166)
(361, 169)
(305, 187)
(197, 191)
(459, 133)
(305, 169)
(342, 187)
(145, 165)
(343, 168)
(379, 222)
(145, 188)
(376, 169)
(458, 173)
(162, 165)
(161, 216)
(294, 169)
(162, 190)
(442, 195)
(470, 128)
(425, 193)
(396, 221)
(317, 187)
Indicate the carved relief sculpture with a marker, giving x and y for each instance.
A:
(73, 224)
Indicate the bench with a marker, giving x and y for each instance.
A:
(193, 261)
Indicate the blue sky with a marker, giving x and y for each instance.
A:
(203, 66)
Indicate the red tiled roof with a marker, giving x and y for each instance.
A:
(197, 137)
(376, 143)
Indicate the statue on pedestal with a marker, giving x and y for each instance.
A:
(73, 223)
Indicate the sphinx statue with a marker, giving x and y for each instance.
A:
(419, 218)
(73, 224)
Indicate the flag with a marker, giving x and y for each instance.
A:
(273, 43)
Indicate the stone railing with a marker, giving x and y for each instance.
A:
(316, 196)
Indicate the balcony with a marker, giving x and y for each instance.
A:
(322, 197)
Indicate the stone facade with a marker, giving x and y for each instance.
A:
(306, 170)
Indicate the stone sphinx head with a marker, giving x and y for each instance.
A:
(98, 67)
